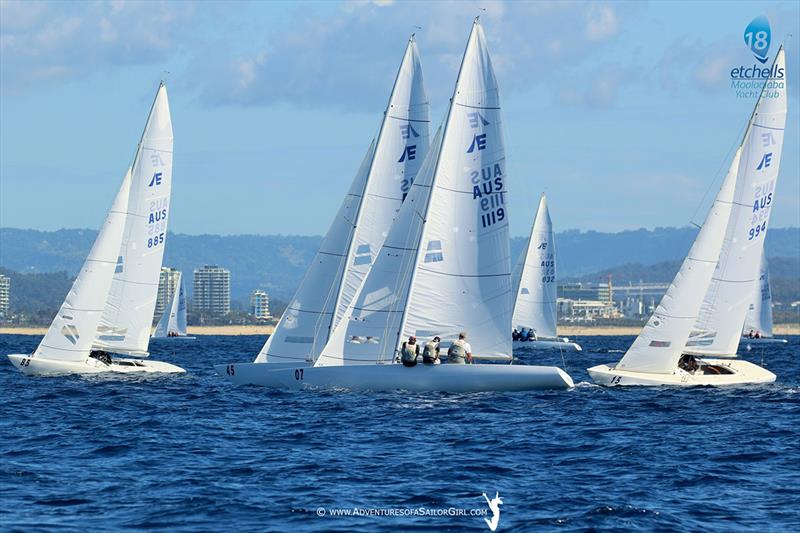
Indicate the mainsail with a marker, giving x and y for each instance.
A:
(126, 321)
(721, 319)
(173, 321)
(535, 278)
(445, 265)
(759, 314)
(348, 250)
(72, 332)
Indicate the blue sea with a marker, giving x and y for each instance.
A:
(195, 453)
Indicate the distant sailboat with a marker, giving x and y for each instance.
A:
(110, 305)
(758, 322)
(348, 250)
(709, 297)
(444, 267)
(173, 322)
(535, 310)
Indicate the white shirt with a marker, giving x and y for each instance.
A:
(464, 344)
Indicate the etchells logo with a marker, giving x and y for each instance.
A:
(749, 80)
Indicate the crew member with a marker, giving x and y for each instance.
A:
(460, 352)
(409, 352)
(430, 353)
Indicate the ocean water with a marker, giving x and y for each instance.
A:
(195, 453)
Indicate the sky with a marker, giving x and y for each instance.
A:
(621, 112)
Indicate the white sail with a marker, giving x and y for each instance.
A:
(173, 321)
(349, 249)
(401, 147)
(72, 332)
(127, 318)
(659, 346)
(719, 326)
(759, 314)
(181, 321)
(445, 266)
(535, 278)
(303, 328)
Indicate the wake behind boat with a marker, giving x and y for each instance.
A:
(109, 308)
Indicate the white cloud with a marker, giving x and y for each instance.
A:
(51, 41)
(601, 23)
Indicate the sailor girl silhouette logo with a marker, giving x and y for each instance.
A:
(494, 506)
(757, 36)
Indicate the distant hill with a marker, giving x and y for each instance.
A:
(277, 263)
(784, 276)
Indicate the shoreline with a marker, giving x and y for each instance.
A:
(566, 331)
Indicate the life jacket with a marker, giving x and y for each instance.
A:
(429, 352)
(456, 353)
(408, 354)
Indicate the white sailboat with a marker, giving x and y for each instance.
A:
(348, 250)
(717, 274)
(110, 305)
(758, 322)
(444, 268)
(535, 311)
(172, 324)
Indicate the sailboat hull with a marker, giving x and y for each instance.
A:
(178, 338)
(548, 344)
(735, 372)
(420, 378)
(38, 366)
(748, 343)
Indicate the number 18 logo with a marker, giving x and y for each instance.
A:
(757, 37)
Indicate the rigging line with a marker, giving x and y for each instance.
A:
(725, 160)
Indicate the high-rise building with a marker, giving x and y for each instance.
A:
(212, 290)
(5, 295)
(167, 285)
(259, 305)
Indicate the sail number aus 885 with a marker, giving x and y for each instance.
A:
(152, 242)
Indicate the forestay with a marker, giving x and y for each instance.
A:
(445, 266)
(127, 318)
(349, 249)
(72, 332)
(721, 319)
(535, 278)
(759, 314)
(659, 346)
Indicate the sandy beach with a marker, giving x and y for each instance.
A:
(567, 331)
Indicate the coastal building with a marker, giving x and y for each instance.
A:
(212, 290)
(5, 296)
(167, 285)
(602, 292)
(640, 300)
(259, 305)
